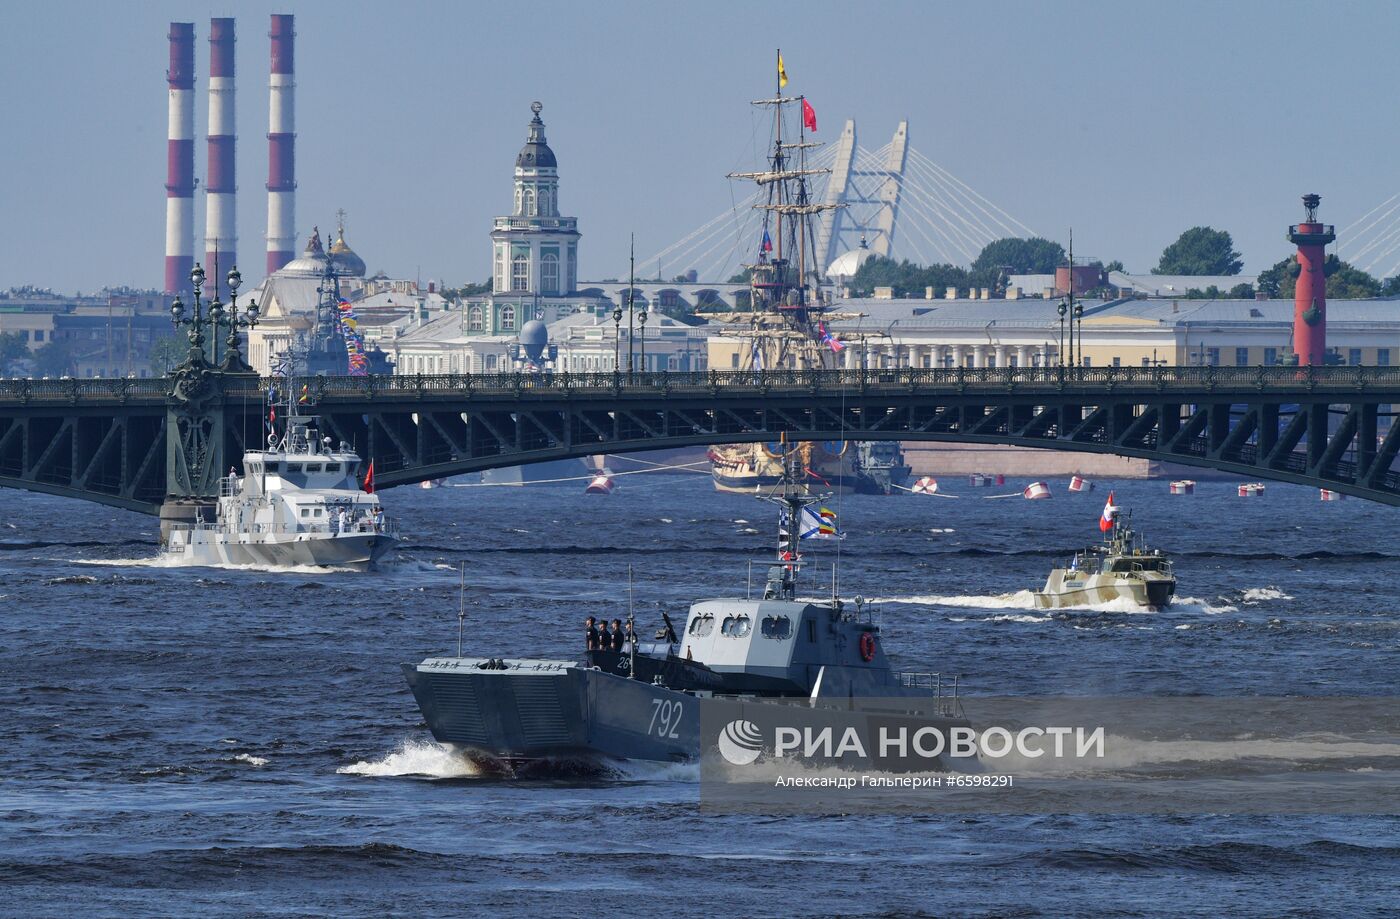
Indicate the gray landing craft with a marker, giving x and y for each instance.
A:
(642, 702)
(1120, 568)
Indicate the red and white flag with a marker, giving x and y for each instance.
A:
(1109, 514)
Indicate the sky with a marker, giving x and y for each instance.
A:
(1129, 121)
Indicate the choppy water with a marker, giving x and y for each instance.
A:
(238, 742)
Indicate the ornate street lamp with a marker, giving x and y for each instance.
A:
(1060, 352)
(642, 318)
(1079, 318)
(196, 322)
(233, 360)
(617, 339)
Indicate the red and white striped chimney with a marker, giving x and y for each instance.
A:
(281, 157)
(179, 168)
(220, 223)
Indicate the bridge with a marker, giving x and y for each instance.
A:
(159, 446)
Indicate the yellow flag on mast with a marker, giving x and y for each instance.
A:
(782, 71)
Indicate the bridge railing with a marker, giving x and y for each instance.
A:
(1277, 378)
(1259, 378)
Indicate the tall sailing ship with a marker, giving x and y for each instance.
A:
(785, 325)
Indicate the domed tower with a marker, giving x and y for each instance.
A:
(534, 250)
(347, 263)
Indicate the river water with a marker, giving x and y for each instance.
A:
(241, 742)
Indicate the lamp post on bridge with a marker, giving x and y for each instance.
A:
(617, 340)
(643, 320)
(233, 357)
(1060, 350)
(1079, 318)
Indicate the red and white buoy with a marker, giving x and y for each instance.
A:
(1329, 495)
(925, 486)
(1079, 483)
(1035, 491)
(1252, 490)
(1183, 487)
(600, 484)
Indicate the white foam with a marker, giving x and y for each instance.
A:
(1196, 604)
(667, 520)
(250, 759)
(414, 757)
(167, 561)
(1258, 594)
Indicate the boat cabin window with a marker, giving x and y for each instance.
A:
(306, 512)
(318, 512)
(776, 627)
(332, 467)
(313, 467)
(701, 626)
(736, 626)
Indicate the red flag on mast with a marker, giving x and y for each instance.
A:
(369, 479)
(809, 116)
(1110, 514)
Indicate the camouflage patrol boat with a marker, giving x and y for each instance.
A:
(642, 701)
(1120, 568)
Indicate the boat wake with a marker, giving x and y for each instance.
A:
(1025, 600)
(163, 561)
(416, 758)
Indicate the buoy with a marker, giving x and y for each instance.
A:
(1001, 479)
(978, 480)
(600, 484)
(1329, 495)
(1078, 483)
(1036, 490)
(1183, 487)
(925, 486)
(1252, 490)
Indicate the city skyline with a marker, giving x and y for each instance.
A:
(1106, 119)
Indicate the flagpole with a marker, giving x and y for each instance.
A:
(631, 286)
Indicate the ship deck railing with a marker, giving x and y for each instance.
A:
(385, 526)
(945, 691)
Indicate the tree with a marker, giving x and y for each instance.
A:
(166, 352)
(1391, 287)
(1343, 281)
(1019, 256)
(905, 278)
(742, 277)
(466, 290)
(13, 347)
(54, 359)
(1200, 250)
(1241, 292)
(1114, 265)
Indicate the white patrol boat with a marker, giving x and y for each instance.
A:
(299, 502)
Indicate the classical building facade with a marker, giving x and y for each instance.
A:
(1118, 333)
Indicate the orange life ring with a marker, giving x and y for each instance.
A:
(867, 646)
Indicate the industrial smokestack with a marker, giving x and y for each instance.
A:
(179, 170)
(220, 224)
(281, 157)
